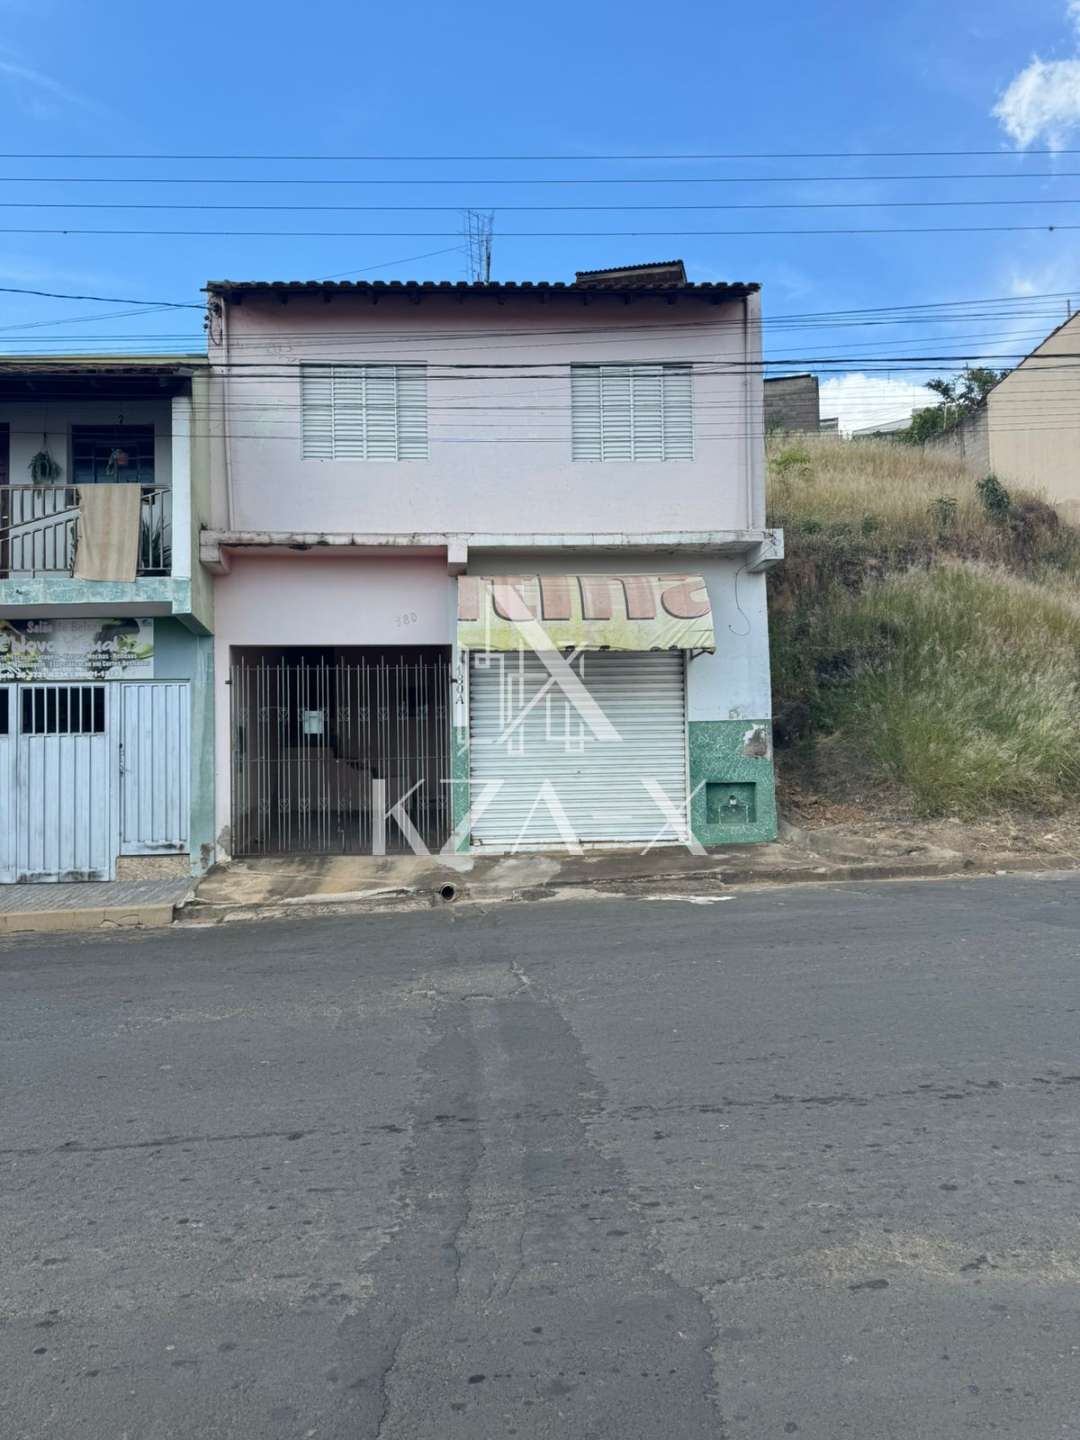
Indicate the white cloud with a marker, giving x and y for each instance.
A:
(37, 92)
(1042, 102)
(860, 400)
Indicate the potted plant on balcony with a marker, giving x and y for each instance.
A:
(44, 470)
(155, 544)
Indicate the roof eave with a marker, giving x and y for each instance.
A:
(416, 289)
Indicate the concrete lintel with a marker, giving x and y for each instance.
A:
(215, 544)
(767, 554)
(211, 556)
(674, 542)
(457, 557)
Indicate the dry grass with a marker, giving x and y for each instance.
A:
(880, 488)
(967, 689)
(920, 640)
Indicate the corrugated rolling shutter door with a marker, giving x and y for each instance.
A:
(598, 783)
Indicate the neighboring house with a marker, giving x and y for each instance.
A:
(793, 404)
(493, 554)
(105, 618)
(883, 429)
(1026, 431)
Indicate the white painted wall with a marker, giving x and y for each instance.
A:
(500, 438)
(54, 418)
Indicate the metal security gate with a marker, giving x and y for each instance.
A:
(7, 784)
(64, 805)
(545, 768)
(155, 767)
(90, 771)
(324, 750)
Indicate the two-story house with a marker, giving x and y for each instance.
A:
(490, 558)
(106, 660)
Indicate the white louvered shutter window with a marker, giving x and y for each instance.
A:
(364, 412)
(631, 412)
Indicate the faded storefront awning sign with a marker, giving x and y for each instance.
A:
(56, 648)
(584, 612)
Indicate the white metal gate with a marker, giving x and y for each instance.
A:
(64, 813)
(154, 765)
(604, 773)
(7, 784)
(88, 771)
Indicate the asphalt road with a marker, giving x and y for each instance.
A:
(803, 1162)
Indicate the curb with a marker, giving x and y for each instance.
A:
(855, 870)
(96, 917)
(411, 898)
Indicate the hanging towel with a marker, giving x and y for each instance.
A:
(108, 537)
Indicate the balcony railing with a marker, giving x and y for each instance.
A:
(39, 530)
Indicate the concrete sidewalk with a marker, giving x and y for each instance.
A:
(279, 886)
(91, 905)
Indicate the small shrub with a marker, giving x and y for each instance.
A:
(796, 458)
(996, 500)
(943, 508)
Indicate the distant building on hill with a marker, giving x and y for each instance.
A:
(793, 404)
(884, 429)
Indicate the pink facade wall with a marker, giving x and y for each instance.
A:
(306, 600)
(499, 438)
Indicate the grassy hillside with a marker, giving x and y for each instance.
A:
(925, 633)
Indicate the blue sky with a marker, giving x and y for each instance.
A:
(331, 78)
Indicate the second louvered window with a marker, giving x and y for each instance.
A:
(632, 412)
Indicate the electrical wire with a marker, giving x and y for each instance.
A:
(921, 177)
(543, 234)
(104, 299)
(529, 209)
(655, 155)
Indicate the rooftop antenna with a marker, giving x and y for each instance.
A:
(479, 225)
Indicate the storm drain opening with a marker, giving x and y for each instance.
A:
(448, 892)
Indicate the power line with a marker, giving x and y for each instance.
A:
(541, 234)
(356, 342)
(403, 260)
(535, 209)
(81, 319)
(996, 308)
(104, 299)
(563, 155)
(528, 180)
(555, 370)
(149, 306)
